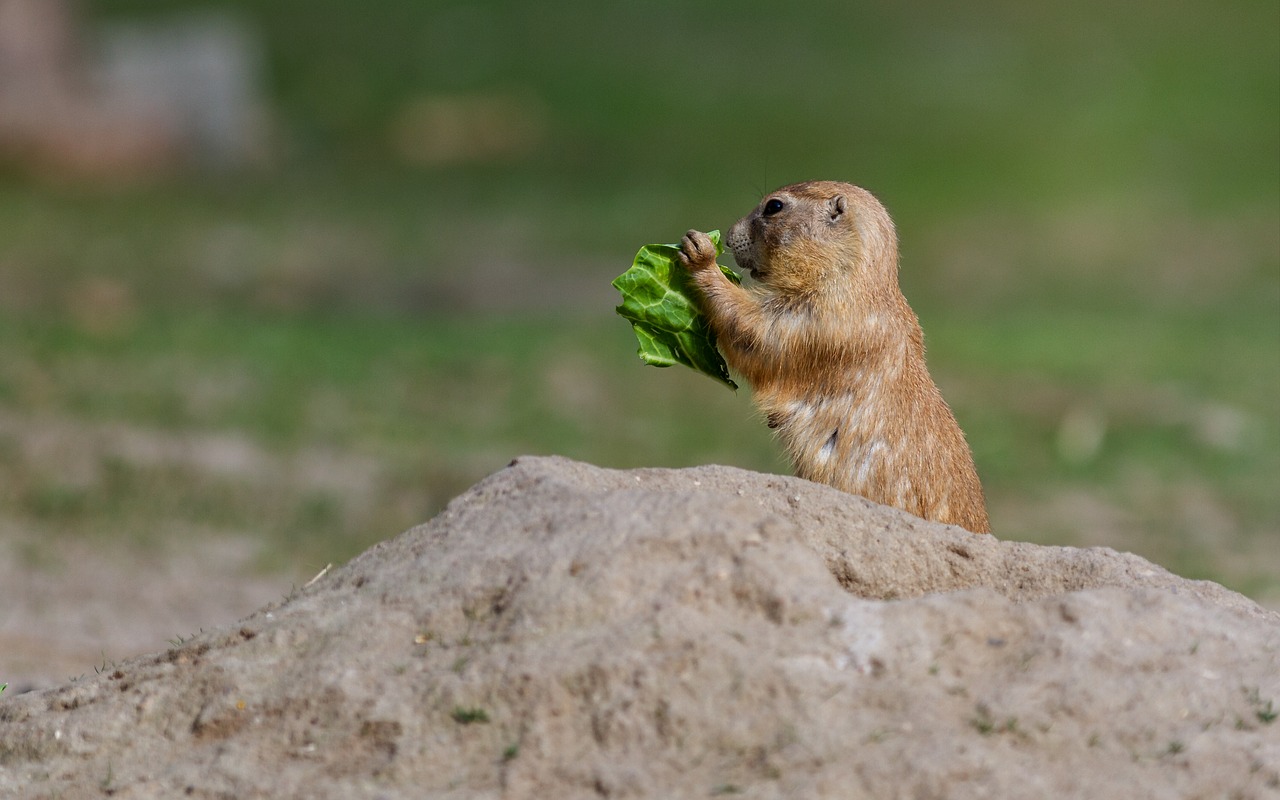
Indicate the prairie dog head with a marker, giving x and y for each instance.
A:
(804, 237)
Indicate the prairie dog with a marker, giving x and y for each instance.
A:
(833, 352)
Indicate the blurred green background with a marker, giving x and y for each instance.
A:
(407, 284)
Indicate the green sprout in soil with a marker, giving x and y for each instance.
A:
(466, 716)
(986, 725)
(1268, 714)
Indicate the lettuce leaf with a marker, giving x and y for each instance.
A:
(658, 300)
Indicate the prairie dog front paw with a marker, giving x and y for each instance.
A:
(697, 251)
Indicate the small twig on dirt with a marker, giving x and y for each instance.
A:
(321, 574)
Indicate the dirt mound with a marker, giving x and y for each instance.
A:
(566, 631)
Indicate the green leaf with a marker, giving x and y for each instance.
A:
(658, 300)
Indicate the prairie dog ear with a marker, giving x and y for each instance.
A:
(836, 207)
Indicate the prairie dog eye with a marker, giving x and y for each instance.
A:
(773, 207)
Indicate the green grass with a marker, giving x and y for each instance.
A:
(322, 435)
(656, 115)
(321, 354)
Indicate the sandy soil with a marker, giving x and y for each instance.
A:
(562, 630)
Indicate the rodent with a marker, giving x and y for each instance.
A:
(833, 352)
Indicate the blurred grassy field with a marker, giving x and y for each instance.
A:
(322, 354)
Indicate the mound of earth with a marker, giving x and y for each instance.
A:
(564, 631)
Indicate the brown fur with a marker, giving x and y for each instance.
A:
(834, 353)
